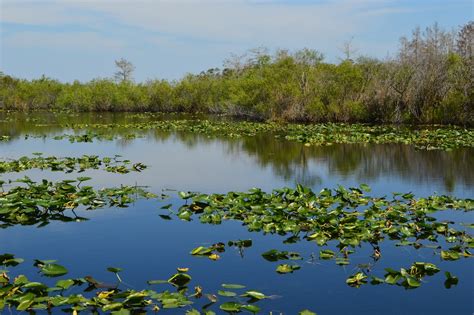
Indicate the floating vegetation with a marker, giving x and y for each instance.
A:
(427, 138)
(348, 217)
(20, 293)
(276, 255)
(409, 278)
(45, 201)
(430, 137)
(212, 252)
(70, 164)
(88, 136)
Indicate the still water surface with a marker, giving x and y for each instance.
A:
(148, 247)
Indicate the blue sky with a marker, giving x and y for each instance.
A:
(71, 39)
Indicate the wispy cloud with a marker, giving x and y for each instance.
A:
(179, 35)
(239, 21)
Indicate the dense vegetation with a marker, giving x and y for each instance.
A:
(429, 80)
(22, 294)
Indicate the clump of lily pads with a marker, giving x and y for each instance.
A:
(32, 202)
(348, 217)
(425, 138)
(22, 294)
(70, 164)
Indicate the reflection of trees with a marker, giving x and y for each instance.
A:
(292, 160)
(289, 160)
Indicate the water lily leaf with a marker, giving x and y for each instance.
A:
(25, 304)
(232, 286)
(450, 280)
(112, 306)
(326, 254)
(231, 307)
(201, 251)
(376, 280)
(286, 268)
(65, 284)
(53, 270)
(412, 282)
(185, 195)
(275, 255)
(12, 262)
(180, 279)
(121, 312)
(165, 217)
(226, 293)
(342, 261)
(365, 187)
(214, 257)
(251, 308)
(357, 280)
(449, 255)
(255, 295)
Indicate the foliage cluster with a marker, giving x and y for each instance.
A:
(429, 80)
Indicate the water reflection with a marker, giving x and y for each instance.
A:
(290, 161)
(362, 162)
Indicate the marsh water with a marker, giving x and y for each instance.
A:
(147, 247)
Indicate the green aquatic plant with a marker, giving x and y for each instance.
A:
(21, 294)
(346, 215)
(70, 164)
(348, 218)
(276, 255)
(423, 138)
(31, 202)
(88, 136)
(409, 278)
(211, 252)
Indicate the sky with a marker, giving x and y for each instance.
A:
(80, 40)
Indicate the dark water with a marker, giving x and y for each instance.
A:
(148, 247)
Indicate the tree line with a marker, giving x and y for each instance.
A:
(428, 80)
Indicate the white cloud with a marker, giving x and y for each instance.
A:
(241, 22)
(172, 37)
(236, 21)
